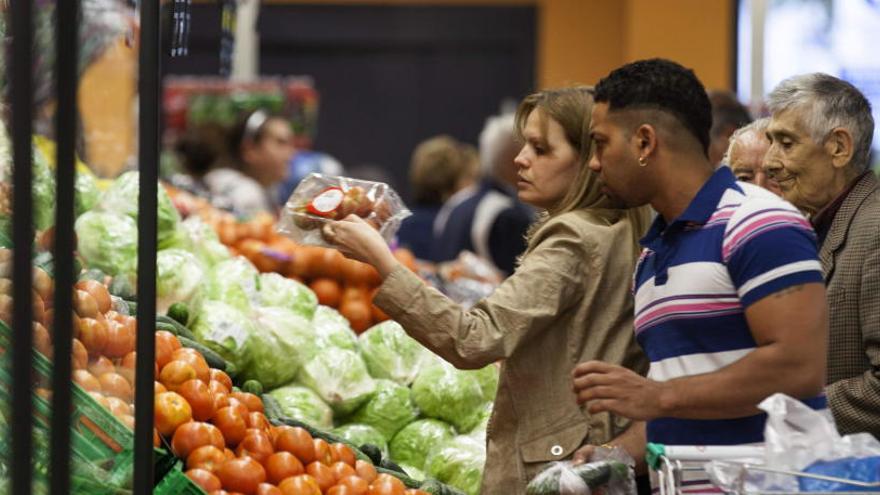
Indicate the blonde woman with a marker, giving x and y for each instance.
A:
(569, 299)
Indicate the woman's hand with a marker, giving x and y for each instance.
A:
(358, 240)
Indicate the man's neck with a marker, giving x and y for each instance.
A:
(680, 185)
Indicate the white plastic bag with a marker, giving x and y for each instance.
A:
(609, 469)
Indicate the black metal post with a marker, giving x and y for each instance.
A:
(66, 78)
(22, 238)
(149, 85)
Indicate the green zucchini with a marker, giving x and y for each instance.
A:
(213, 359)
(271, 407)
(373, 452)
(180, 330)
(179, 312)
(435, 487)
(253, 387)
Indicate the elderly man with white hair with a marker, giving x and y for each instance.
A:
(745, 155)
(820, 140)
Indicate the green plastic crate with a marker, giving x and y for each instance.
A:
(176, 483)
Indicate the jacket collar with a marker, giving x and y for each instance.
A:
(842, 220)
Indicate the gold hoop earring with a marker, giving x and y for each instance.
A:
(643, 162)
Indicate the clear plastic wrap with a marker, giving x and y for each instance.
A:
(340, 378)
(610, 469)
(320, 198)
(392, 354)
(443, 392)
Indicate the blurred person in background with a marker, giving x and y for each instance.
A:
(568, 299)
(728, 115)
(820, 142)
(745, 155)
(198, 149)
(488, 220)
(440, 167)
(246, 182)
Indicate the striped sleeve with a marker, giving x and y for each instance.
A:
(769, 246)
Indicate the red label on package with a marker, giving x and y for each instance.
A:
(327, 202)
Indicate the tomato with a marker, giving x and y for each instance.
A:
(170, 410)
(84, 304)
(156, 440)
(386, 484)
(175, 374)
(241, 475)
(121, 338)
(297, 441)
(127, 420)
(217, 387)
(327, 290)
(300, 485)
(221, 400)
(93, 335)
(258, 420)
(127, 367)
(99, 293)
(255, 444)
(366, 470)
(100, 399)
(343, 453)
(238, 405)
(322, 474)
(166, 344)
(115, 385)
(118, 407)
(267, 489)
(342, 470)
(101, 365)
(216, 375)
(413, 491)
(229, 453)
(357, 313)
(158, 388)
(86, 380)
(196, 360)
(358, 485)
(339, 490)
(199, 397)
(80, 355)
(322, 452)
(208, 457)
(231, 424)
(195, 434)
(282, 465)
(204, 479)
(250, 401)
(42, 340)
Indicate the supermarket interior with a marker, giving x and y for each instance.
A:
(446, 247)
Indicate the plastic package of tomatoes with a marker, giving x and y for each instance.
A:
(319, 199)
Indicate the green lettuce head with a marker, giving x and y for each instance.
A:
(108, 242)
(178, 276)
(87, 193)
(333, 330)
(413, 472)
(302, 404)
(392, 354)
(340, 378)
(416, 440)
(359, 435)
(281, 343)
(488, 380)
(389, 410)
(459, 463)
(43, 190)
(235, 282)
(282, 292)
(122, 197)
(227, 331)
(199, 238)
(441, 391)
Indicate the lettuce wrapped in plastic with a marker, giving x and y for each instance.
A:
(226, 330)
(413, 472)
(416, 440)
(281, 343)
(178, 276)
(443, 392)
(302, 404)
(122, 197)
(340, 378)
(488, 379)
(333, 330)
(392, 354)
(108, 241)
(43, 190)
(87, 193)
(235, 282)
(282, 292)
(359, 434)
(199, 238)
(389, 410)
(458, 463)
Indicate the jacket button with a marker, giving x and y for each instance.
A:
(556, 450)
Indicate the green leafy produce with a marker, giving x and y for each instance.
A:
(43, 190)
(302, 404)
(413, 472)
(392, 354)
(389, 410)
(488, 379)
(235, 282)
(459, 462)
(340, 378)
(281, 343)
(225, 330)
(108, 241)
(416, 440)
(122, 197)
(178, 276)
(199, 238)
(333, 330)
(479, 431)
(87, 193)
(592, 477)
(443, 392)
(359, 434)
(283, 292)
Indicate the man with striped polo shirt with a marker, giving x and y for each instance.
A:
(730, 304)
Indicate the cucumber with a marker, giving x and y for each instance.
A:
(253, 387)
(435, 487)
(121, 287)
(271, 407)
(179, 312)
(179, 330)
(373, 452)
(213, 359)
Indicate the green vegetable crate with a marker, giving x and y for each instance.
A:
(176, 483)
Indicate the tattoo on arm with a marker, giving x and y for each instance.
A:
(789, 290)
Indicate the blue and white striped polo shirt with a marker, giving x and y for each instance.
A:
(735, 244)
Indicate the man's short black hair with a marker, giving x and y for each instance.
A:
(659, 84)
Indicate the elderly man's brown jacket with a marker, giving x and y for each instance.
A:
(850, 259)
